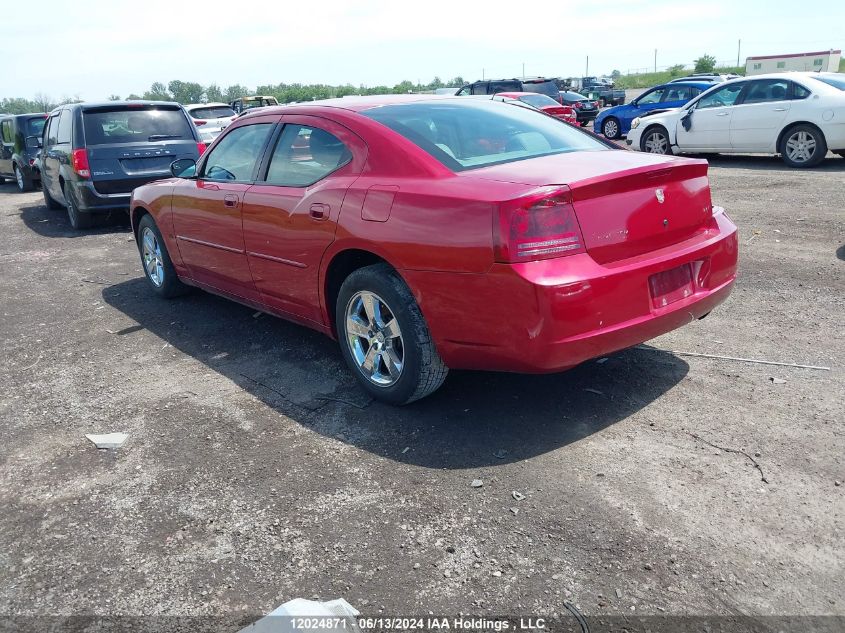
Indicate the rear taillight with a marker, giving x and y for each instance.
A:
(199, 122)
(578, 104)
(201, 147)
(541, 225)
(79, 162)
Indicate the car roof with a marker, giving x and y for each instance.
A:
(516, 95)
(111, 104)
(212, 104)
(690, 82)
(354, 104)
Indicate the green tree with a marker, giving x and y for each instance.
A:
(676, 70)
(616, 74)
(214, 94)
(134, 97)
(43, 103)
(705, 64)
(158, 92)
(233, 92)
(185, 91)
(114, 97)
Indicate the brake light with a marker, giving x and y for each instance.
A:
(201, 147)
(578, 104)
(79, 162)
(199, 122)
(541, 225)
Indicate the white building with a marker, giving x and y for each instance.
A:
(823, 61)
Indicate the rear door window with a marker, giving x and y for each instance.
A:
(304, 155)
(135, 125)
(63, 134)
(479, 88)
(236, 154)
(676, 93)
(52, 129)
(6, 131)
(765, 90)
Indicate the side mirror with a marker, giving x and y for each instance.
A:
(34, 142)
(184, 168)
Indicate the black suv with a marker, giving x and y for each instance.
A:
(95, 154)
(21, 138)
(494, 86)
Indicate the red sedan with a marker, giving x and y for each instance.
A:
(427, 234)
(544, 103)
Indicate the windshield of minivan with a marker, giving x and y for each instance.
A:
(35, 125)
(473, 134)
(134, 125)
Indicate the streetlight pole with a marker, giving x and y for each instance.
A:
(738, 48)
(655, 60)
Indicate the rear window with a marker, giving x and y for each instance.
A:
(832, 81)
(212, 112)
(572, 97)
(469, 135)
(35, 126)
(543, 87)
(135, 125)
(538, 101)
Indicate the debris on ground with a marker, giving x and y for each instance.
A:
(107, 440)
(515, 510)
(518, 496)
(777, 381)
(476, 483)
(333, 615)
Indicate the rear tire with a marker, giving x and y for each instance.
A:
(384, 338)
(156, 262)
(48, 199)
(78, 219)
(24, 182)
(803, 146)
(610, 128)
(655, 140)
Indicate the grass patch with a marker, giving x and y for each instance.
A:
(647, 80)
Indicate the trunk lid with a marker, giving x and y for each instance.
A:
(627, 203)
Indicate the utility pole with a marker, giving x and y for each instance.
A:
(482, 73)
(587, 73)
(738, 48)
(523, 70)
(655, 60)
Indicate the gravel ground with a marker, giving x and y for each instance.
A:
(255, 472)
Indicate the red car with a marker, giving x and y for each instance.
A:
(427, 234)
(544, 103)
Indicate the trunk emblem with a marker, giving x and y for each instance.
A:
(659, 195)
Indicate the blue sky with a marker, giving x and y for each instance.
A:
(96, 48)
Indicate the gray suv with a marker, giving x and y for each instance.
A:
(95, 154)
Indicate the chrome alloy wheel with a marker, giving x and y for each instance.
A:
(800, 146)
(151, 254)
(611, 129)
(374, 338)
(656, 143)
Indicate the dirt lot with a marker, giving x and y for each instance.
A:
(255, 472)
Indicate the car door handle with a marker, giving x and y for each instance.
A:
(230, 200)
(780, 109)
(319, 211)
(722, 113)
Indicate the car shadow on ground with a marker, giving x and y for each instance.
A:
(759, 162)
(840, 252)
(54, 223)
(475, 419)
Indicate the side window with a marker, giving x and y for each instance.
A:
(463, 92)
(6, 131)
(52, 130)
(799, 91)
(479, 88)
(722, 97)
(655, 96)
(236, 154)
(764, 90)
(694, 92)
(304, 155)
(64, 127)
(676, 93)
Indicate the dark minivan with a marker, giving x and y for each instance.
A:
(21, 139)
(95, 154)
(540, 85)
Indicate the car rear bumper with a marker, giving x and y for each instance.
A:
(89, 200)
(551, 315)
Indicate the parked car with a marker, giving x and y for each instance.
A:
(585, 109)
(379, 234)
(600, 89)
(615, 122)
(95, 154)
(715, 78)
(540, 85)
(543, 103)
(799, 115)
(20, 135)
(210, 118)
(256, 101)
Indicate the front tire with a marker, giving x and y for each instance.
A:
(78, 219)
(384, 338)
(610, 128)
(158, 267)
(24, 182)
(655, 140)
(803, 146)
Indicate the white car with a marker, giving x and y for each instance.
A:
(798, 115)
(210, 118)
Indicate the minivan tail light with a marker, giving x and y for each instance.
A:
(541, 225)
(79, 162)
(201, 147)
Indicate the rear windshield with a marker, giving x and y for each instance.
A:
(135, 125)
(471, 134)
(573, 96)
(543, 87)
(538, 101)
(832, 81)
(212, 112)
(35, 126)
